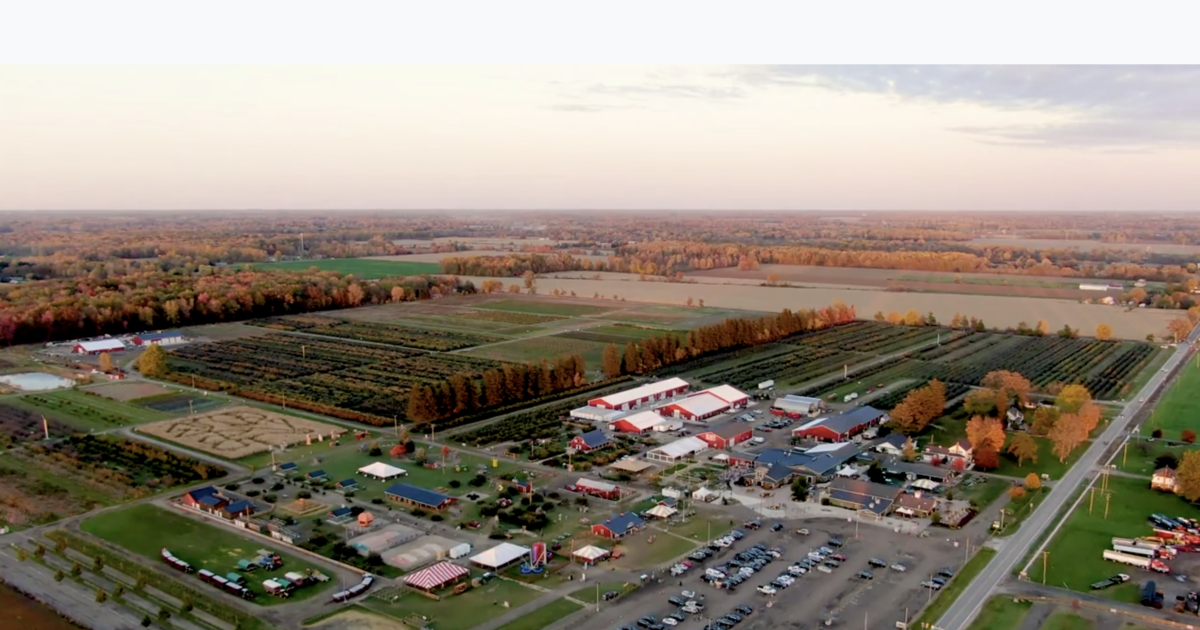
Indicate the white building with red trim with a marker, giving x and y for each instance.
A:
(638, 396)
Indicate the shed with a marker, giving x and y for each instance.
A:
(638, 423)
(697, 407)
(677, 450)
(316, 474)
(347, 484)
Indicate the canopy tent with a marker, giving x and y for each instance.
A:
(661, 511)
(590, 553)
(925, 484)
(500, 556)
(380, 470)
(704, 494)
(435, 576)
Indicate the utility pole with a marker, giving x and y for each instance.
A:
(1045, 565)
(1125, 449)
(303, 352)
(396, 426)
(597, 596)
(1107, 496)
(1091, 499)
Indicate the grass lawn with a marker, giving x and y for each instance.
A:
(945, 597)
(1001, 613)
(544, 307)
(1047, 461)
(698, 528)
(358, 266)
(1138, 457)
(1075, 553)
(639, 553)
(458, 612)
(543, 616)
(86, 412)
(1063, 620)
(146, 529)
(588, 593)
(1017, 511)
(983, 494)
(1179, 407)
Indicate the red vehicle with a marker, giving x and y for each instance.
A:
(474, 524)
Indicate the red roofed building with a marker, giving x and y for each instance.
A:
(726, 436)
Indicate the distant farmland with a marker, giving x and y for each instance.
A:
(361, 267)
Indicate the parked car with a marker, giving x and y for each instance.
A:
(744, 609)
(835, 542)
(677, 601)
(688, 594)
(931, 585)
(899, 567)
(777, 527)
(610, 595)
(669, 621)
(803, 531)
(946, 573)
(866, 575)
(877, 562)
(767, 590)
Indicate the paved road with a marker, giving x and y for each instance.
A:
(960, 615)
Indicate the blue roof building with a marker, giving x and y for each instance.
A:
(619, 525)
(418, 497)
(316, 474)
(590, 441)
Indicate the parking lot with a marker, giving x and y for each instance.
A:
(840, 595)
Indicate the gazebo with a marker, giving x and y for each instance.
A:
(589, 554)
(436, 576)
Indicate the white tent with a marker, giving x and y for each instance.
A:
(590, 553)
(661, 511)
(500, 556)
(925, 484)
(704, 494)
(380, 470)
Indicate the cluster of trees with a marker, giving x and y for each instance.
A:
(81, 307)
(653, 353)
(515, 382)
(515, 264)
(920, 407)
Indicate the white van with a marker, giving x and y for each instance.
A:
(757, 440)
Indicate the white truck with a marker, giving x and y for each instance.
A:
(1136, 561)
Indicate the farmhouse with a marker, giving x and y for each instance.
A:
(726, 436)
(159, 338)
(915, 505)
(959, 450)
(1164, 479)
(892, 444)
(590, 441)
(697, 407)
(677, 450)
(853, 494)
(797, 406)
(638, 423)
(417, 497)
(841, 427)
(601, 489)
(98, 347)
(619, 526)
(632, 398)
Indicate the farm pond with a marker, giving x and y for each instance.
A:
(35, 381)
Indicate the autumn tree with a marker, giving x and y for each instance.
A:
(1044, 419)
(895, 318)
(464, 392)
(1072, 397)
(106, 363)
(987, 460)
(979, 402)
(1180, 328)
(1103, 332)
(1043, 327)
(1016, 493)
(633, 359)
(985, 433)
(153, 362)
(919, 407)
(530, 279)
(1007, 387)
(421, 405)
(1089, 415)
(910, 450)
(1188, 476)
(1032, 482)
(1067, 434)
(913, 318)
(1023, 447)
(1188, 436)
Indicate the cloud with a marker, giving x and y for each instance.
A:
(679, 83)
(1107, 107)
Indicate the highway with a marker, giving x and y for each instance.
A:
(963, 611)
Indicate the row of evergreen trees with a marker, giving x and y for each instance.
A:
(515, 382)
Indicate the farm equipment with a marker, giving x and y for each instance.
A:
(176, 563)
(316, 576)
(247, 565)
(297, 579)
(1119, 578)
(278, 588)
(235, 578)
(268, 560)
(1189, 603)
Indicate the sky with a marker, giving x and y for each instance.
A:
(1021, 138)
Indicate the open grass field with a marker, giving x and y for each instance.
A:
(588, 593)
(354, 618)
(361, 267)
(1179, 407)
(239, 431)
(1001, 613)
(1138, 456)
(125, 391)
(543, 616)
(457, 612)
(544, 307)
(87, 412)
(1063, 620)
(946, 597)
(147, 529)
(996, 311)
(1075, 552)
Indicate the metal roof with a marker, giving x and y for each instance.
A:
(594, 438)
(417, 495)
(648, 390)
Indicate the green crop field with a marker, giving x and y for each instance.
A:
(147, 529)
(360, 267)
(1179, 406)
(543, 616)
(86, 412)
(1075, 559)
(540, 307)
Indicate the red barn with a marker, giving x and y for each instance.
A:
(619, 526)
(601, 489)
(589, 441)
(841, 427)
(697, 407)
(640, 422)
(637, 396)
(727, 435)
(205, 499)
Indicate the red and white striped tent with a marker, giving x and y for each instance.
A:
(436, 576)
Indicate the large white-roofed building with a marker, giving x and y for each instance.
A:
(696, 408)
(97, 347)
(380, 470)
(500, 556)
(728, 393)
(650, 392)
(677, 450)
(639, 422)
